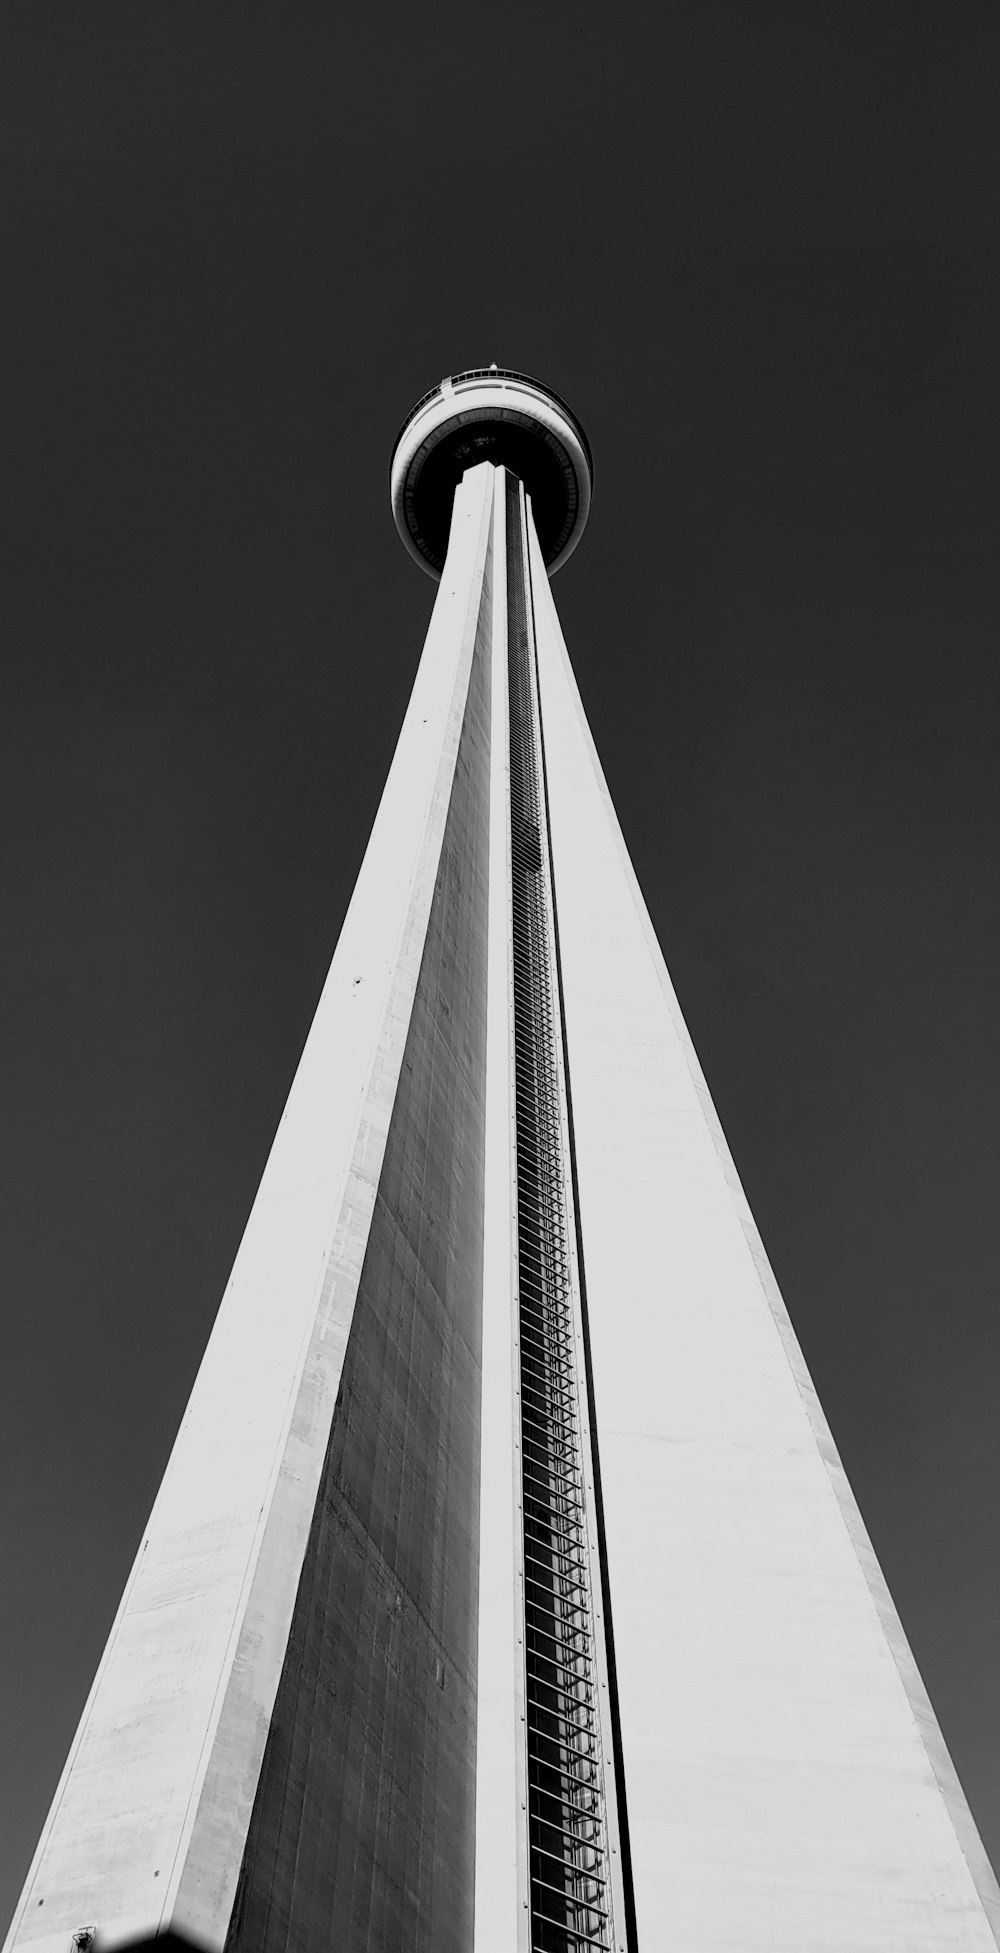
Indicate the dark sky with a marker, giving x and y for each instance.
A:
(757, 247)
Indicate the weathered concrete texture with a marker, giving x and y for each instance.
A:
(362, 1831)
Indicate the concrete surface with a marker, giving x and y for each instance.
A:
(787, 1783)
(149, 1825)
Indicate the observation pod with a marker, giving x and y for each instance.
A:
(491, 414)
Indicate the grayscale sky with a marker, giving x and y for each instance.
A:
(756, 245)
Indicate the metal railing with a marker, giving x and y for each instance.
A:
(567, 1836)
(474, 373)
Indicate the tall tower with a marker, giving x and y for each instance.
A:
(504, 1589)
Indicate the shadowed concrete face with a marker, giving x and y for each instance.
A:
(362, 1832)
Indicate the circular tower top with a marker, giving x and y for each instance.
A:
(490, 414)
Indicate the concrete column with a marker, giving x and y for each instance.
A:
(787, 1784)
(150, 1822)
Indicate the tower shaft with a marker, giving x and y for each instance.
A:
(787, 1784)
(279, 1744)
(504, 1588)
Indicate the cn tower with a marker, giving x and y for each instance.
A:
(504, 1592)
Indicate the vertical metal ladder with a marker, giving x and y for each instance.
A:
(570, 1889)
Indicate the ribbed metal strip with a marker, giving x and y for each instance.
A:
(569, 1874)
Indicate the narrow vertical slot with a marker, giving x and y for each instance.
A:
(570, 1887)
